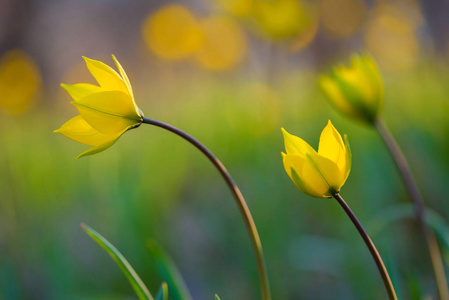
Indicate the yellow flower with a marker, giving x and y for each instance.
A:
(106, 111)
(318, 174)
(356, 91)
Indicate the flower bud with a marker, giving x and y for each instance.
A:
(355, 91)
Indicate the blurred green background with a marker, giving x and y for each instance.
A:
(230, 73)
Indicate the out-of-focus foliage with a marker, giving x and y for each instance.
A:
(168, 270)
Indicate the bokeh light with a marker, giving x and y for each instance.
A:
(224, 44)
(20, 82)
(238, 8)
(342, 18)
(391, 35)
(172, 32)
(280, 19)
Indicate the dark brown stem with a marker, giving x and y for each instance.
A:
(372, 249)
(420, 211)
(240, 201)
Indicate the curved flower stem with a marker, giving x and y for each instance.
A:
(240, 201)
(372, 249)
(420, 210)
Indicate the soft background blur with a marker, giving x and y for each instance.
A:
(231, 73)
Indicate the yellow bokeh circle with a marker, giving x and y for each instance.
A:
(172, 32)
(20, 82)
(224, 44)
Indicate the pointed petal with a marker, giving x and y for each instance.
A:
(296, 145)
(331, 146)
(103, 146)
(108, 112)
(79, 130)
(106, 77)
(127, 82)
(80, 90)
(123, 74)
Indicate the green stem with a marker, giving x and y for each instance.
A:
(372, 249)
(420, 211)
(240, 201)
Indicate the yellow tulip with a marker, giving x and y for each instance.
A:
(356, 91)
(106, 111)
(318, 174)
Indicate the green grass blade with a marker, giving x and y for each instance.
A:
(169, 272)
(216, 297)
(162, 294)
(137, 284)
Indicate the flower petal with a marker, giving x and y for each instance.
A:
(106, 77)
(80, 90)
(336, 96)
(108, 112)
(296, 145)
(323, 174)
(294, 165)
(123, 74)
(348, 155)
(103, 146)
(126, 79)
(331, 146)
(79, 130)
(372, 74)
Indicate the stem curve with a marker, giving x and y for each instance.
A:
(372, 249)
(240, 201)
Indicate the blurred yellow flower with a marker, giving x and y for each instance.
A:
(280, 19)
(392, 35)
(356, 91)
(106, 111)
(20, 82)
(318, 174)
(224, 44)
(172, 32)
